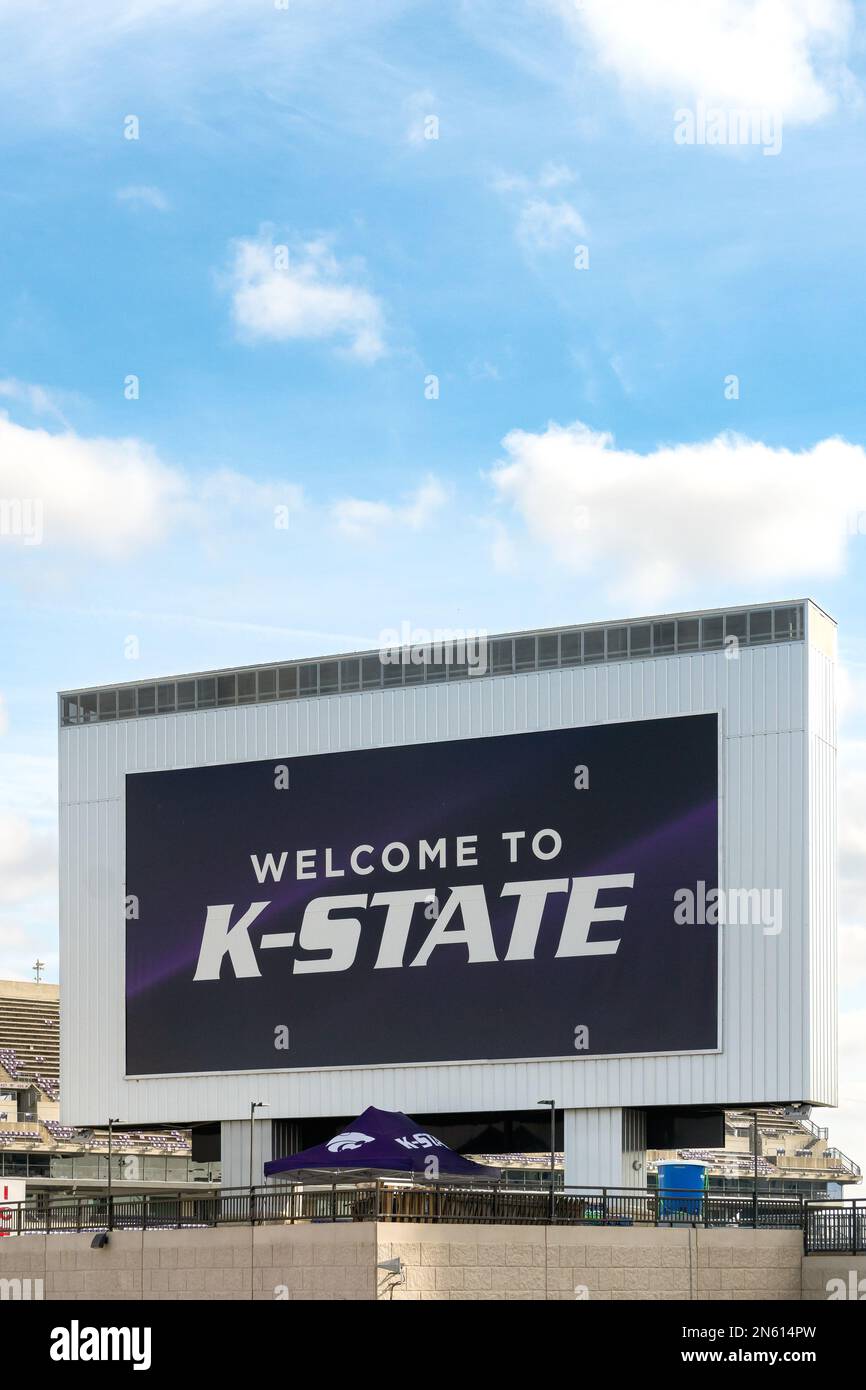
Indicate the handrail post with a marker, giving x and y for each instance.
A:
(604, 1206)
(805, 1226)
(803, 1216)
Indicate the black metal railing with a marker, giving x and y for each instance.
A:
(826, 1226)
(834, 1228)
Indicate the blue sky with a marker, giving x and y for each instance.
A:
(283, 260)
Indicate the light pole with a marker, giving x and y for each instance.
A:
(254, 1106)
(552, 1104)
(755, 1191)
(111, 1121)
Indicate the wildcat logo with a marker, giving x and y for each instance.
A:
(351, 1140)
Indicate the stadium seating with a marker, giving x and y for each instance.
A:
(30, 1036)
(30, 1057)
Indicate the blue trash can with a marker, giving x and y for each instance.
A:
(676, 1182)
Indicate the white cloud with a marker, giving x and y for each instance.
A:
(543, 223)
(112, 497)
(543, 226)
(850, 692)
(82, 61)
(22, 941)
(852, 839)
(107, 495)
(554, 175)
(281, 293)
(144, 195)
(504, 554)
(847, 1125)
(848, 1128)
(618, 367)
(4, 715)
(29, 783)
(785, 56)
(125, 18)
(482, 370)
(649, 524)
(28, 859)
(38, 399)
(852, 956)
(360, 519)
(852, 1043)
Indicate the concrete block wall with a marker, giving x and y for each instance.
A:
(290, 1263)
(308, 1262)
(571, 1263)
(822, 1275)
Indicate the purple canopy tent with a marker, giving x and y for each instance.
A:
(380, 1142)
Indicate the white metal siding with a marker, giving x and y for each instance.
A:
(777, 1007)
(235, 1149)
(821, 941)
(602, 1147)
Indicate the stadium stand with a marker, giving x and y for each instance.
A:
(794, 1155)
(30, 1090)
(791, 1150)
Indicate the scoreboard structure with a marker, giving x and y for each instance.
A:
(597, 865)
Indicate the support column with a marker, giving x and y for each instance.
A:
(602, 1147)
(235, 1151)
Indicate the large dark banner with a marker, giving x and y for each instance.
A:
(501, 897)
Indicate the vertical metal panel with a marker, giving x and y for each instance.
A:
(235, 1149)
(777, 1004)
(820, 942)
(595, 1143)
